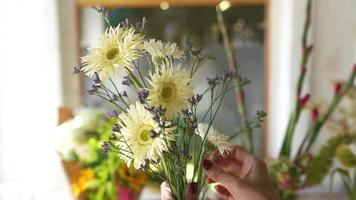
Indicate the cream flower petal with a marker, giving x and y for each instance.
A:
(116, 49)
(160, 51)
(220, 141)
(137, 124)
(170, 88)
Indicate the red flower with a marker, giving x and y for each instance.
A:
(314, 114)
(355, 68)
(304, 100)
(338, 88)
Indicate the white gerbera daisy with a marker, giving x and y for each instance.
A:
(220, 141)
(171, 89)
(117, 48)
(137, 126)
(160, 51)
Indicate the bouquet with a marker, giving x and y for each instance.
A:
(160, 129)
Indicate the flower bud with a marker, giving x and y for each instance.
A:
(303, 101)
(338, 88)
(314, 114)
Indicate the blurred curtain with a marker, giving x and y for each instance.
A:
(30, 94)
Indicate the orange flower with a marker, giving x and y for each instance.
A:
(135, 180)
(80, 184)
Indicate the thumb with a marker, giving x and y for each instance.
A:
(191, 191)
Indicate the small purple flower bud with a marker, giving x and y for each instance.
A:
(154, 134)
(228, 74)
(91, 92)
(199, 97)
(151, 109)
(156, 117)
(116, 128)
(160, 110)
(96, 78)
(155, 162)
(126, 81)
(115, 97)
(142, 95)
(105, 147)
(124, 93)
(192, 100)
(76, 70)
(185, 112)
(112, 114)
(212, 81)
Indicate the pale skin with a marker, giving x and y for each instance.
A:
(241, 176)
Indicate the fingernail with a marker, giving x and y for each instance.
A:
(207, 164)
(221, 190)
(193, 188)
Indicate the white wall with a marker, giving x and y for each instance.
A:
(279, 72)
(333, 34)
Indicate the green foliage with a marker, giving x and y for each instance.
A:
(285, 176)
(320, 166)
(345, 156)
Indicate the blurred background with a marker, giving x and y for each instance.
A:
(42, 40)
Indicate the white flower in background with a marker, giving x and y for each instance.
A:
(220, 141)
(72, 136)
(142, 137)
(117, 48)
(160, 51)
(171, 89)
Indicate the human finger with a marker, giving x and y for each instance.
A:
(231, 182)
(191, 191)
(166, 193)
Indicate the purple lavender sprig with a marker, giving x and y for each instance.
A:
(126, 81)
(142, 96)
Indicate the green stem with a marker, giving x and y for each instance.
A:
(135, 81)
(314, 132)
(288, 138)
(232, 60)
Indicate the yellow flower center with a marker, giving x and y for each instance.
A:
(167, 92)
(145, 135)
(112, 53)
